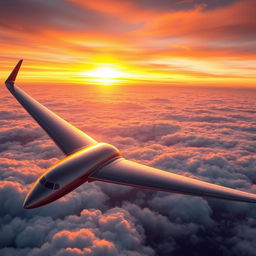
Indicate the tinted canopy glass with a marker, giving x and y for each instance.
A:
(48, 184)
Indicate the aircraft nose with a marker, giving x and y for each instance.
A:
(35, 197)
(28, 202)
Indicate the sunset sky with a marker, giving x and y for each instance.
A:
(167, 85)
(179, 42)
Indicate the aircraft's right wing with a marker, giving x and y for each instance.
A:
(67, 137)
(125, 172)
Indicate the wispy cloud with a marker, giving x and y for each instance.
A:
(175, 42)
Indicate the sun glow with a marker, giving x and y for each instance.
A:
(105, 75)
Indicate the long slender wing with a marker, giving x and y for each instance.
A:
(67, 137)
(129, 173)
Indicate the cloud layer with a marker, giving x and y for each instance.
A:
(203, 133)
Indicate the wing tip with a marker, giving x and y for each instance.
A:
(12, 77)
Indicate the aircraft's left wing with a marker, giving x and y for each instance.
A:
(125, 172)
(67, 137)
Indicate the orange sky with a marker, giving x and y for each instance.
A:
(180, 42)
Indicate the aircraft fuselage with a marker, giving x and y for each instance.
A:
(69, 173)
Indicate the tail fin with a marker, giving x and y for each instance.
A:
(12, 76)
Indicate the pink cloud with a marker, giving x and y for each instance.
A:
(234, 21)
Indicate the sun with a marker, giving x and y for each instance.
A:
(105, 75)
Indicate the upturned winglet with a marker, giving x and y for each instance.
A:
(13, 75)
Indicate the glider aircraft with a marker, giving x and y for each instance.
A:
(88, 160)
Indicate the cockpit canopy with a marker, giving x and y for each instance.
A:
(48, 184)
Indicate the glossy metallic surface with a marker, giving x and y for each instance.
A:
(81, 164)
(69, 173)
(36, 195)
(129, 173)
